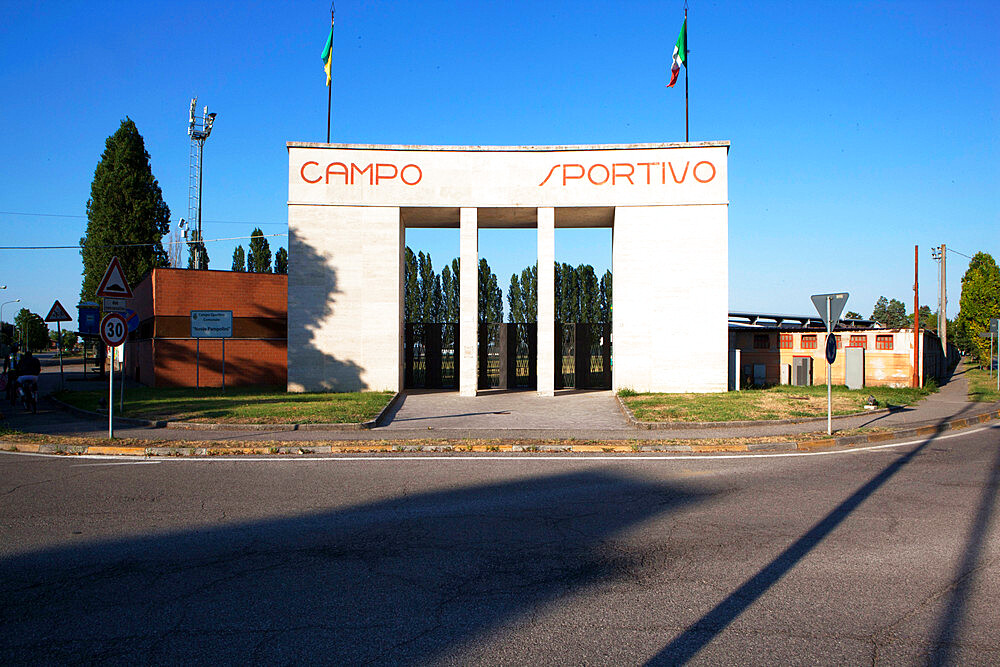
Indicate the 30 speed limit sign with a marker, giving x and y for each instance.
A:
(113, 329)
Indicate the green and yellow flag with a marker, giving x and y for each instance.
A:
(328, 53)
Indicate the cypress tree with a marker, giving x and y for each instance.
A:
(125, 207)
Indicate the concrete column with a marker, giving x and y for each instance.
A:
(468, 301)
(546, 363)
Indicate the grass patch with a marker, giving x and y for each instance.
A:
(982, 387)
(248, 405)
(783, 402)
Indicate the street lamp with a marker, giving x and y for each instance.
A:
(4, 304)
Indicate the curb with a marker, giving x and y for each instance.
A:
(217, 426)
(632, 448)
(664, 426)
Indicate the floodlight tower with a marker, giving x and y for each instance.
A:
(199, 130)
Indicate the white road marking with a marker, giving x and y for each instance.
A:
(374, 458)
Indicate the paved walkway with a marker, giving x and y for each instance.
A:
(583, 415)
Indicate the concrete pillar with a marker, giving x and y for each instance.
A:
(546, 363)
(468, 301)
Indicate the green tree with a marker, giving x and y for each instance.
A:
(31, 330)
(411, 290)
(515, 301)
(606, 297)
(239, 260)
(529, 293)
(125, 208)
(429, 289)
(980, 302)
(589, 288)
(197, 249)
(449, 304)
(490, 295)
(259, 254)
(928, 319)
(851, 315)
(891, 314)
(69, 338)
(281, 262)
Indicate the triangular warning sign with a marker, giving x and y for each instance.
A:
(114, 284)
(58, 313)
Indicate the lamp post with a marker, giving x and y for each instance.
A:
(5, 303)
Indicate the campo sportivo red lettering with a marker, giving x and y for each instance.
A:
(356, 174)
(631, 173)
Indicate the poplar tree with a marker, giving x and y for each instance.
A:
(529, 293)
(196, 248)
(239, 260)
(490, 295)
(259, 254)
(411, 293)
(515, 300)
(447, 314)
(125, 208)
(281, 261)
(606, 297)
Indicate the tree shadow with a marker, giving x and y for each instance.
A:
(311, 303)
(402, 580)
(700, 633)
(950, 624)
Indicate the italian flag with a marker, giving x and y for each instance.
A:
(328, 54)
(680, 55)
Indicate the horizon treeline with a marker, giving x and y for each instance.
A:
(432, 297)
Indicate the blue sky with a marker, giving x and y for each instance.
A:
(858, 130)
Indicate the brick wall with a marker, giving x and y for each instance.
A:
(161, 352)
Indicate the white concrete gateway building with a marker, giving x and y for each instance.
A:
(349, 206)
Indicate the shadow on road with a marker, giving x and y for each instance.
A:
(699, 634)
(398, 581)
(950, 624)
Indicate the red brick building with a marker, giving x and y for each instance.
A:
(162, 353)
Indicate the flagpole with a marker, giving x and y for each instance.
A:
(329, 85)
(687, 64)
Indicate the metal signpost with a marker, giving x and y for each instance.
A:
(114, 290)
(829, 307)
(59, 315)
(113, 332)
(210, 324)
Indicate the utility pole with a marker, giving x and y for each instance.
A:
(941, 255)
(916, 319)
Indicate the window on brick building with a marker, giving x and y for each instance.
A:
(859, 341)
(840, 342)
(883, 342)
(808, 341)
(785, 342)
(761, 342)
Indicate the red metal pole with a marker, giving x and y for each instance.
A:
(916, 318)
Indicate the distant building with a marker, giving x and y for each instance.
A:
(161, 352)
(767, 354)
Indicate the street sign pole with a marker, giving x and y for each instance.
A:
(62, 380)
(111, 396)
(829, 376)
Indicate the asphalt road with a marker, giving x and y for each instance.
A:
(880, 556)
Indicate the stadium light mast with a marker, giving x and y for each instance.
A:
(199, 130)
